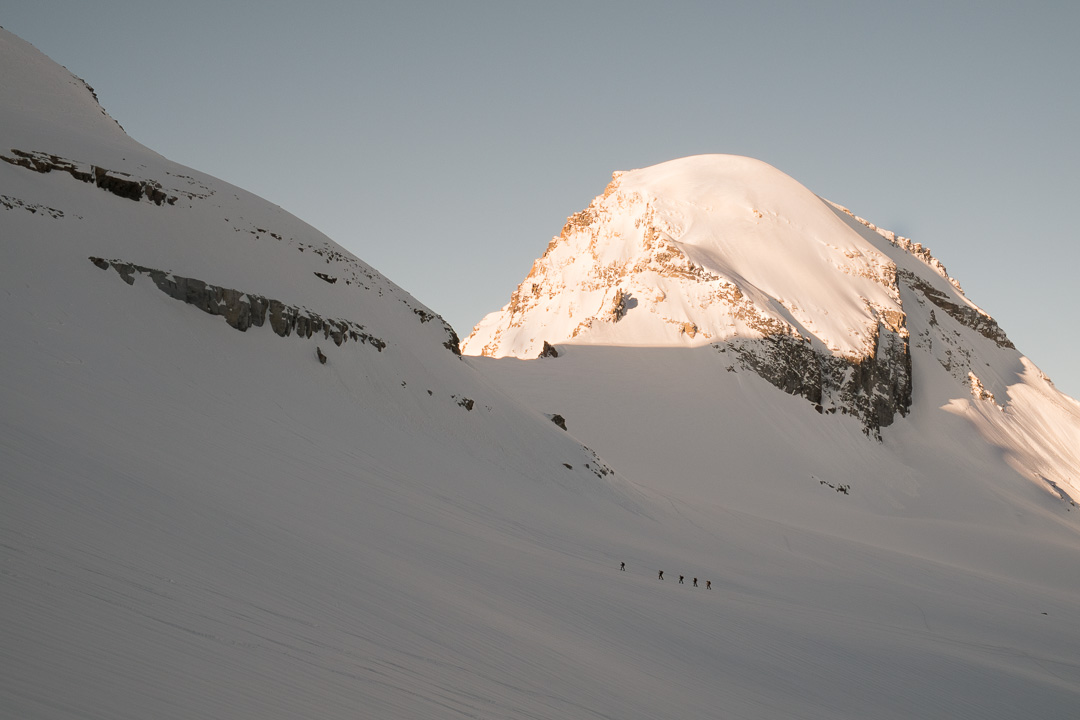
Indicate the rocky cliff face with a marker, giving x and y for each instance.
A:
(730, 253)
(874, 388)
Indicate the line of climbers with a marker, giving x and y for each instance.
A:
(708, 583)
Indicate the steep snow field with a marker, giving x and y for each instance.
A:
(197, 522)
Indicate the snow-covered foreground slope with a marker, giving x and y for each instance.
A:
(199, 521)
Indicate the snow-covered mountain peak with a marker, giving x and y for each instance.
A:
(729, 252)
(696, 251)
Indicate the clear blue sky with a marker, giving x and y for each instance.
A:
(446, 142)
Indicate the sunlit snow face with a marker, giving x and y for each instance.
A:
(695, 251)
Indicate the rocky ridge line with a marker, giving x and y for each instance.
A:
(907, 244)
(970, 317)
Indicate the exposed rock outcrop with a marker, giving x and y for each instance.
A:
(970, 317)
(11, 203)
(242, 310)
(548, 351)
(907, 244)
(874, 388)
(118, 183)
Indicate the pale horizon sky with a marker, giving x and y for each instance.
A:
(445, 143)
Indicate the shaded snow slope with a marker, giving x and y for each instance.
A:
(200, 518)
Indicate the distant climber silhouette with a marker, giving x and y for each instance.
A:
(695, 582)
(681, 580)
(708, 584)
(622, 566)
(661, 574)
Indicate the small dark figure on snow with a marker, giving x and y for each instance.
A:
(708, 584)
(695, 582)
(622, 566)
(661, 574)
(680, 579)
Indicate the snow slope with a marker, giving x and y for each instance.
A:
(202, 521)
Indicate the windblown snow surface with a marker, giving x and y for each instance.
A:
(200, 519)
